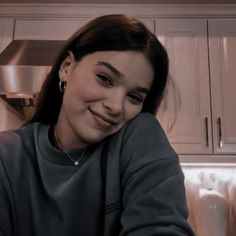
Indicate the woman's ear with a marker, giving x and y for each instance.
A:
(66, 67)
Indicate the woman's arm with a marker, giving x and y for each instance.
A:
(153, 191)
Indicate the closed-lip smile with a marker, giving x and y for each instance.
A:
(103, 118)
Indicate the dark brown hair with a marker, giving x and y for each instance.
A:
(109, 32)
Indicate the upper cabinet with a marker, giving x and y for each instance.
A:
(185, 112)
(222, 51)
(198, 112)
(6, 32)
(47, 29)
(55, 29)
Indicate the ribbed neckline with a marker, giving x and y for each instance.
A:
(51, 153)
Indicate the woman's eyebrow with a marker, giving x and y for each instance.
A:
(111, 68)
(142, 90)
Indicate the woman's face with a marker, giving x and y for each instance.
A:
(104, 90)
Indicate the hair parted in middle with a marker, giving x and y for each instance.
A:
(106, 33)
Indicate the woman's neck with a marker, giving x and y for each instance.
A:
(64, 141)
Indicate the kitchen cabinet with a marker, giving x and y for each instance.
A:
(198, 110)
(6, 32)
(47, 29)
(186, 43)
(202, 54)
(54, 29)
(222, 52)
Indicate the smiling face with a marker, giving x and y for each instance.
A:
(104, 90)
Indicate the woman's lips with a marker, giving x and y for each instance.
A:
(102, 120)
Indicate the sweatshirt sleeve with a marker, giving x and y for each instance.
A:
(152, 184)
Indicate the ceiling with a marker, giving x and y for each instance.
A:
(125, 1)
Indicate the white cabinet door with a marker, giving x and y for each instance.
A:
(186, 43)
(6, 32)
(222, 48)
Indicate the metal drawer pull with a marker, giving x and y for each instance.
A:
(206, 128)
(220, 132)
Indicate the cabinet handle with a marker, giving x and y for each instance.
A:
(206, 128)
(220, 132)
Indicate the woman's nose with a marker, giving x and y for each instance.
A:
(114, 102)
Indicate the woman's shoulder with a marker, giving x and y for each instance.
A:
(144, 121)
(143, 147)
(15, 141)
(145, 128)
(143, 138)
(14, 135)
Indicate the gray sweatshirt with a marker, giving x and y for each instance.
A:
(130, 184)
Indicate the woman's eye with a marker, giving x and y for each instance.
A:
(136, 99)
(104, 80)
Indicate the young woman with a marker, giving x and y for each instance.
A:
(94, 160)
